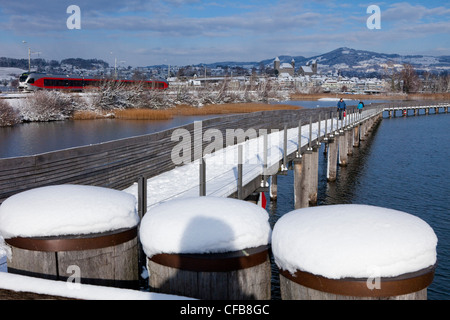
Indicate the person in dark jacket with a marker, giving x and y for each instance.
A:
(341, 106)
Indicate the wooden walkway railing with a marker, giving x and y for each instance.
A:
(118, 164)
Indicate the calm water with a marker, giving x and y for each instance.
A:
(404, 166)
(34, 138)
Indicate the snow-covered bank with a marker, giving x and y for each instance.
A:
(57, 105)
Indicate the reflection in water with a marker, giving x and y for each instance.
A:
(34, 138)
(403, 165)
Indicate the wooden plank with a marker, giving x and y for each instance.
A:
(119, 163)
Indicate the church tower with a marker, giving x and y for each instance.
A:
(276, 64)
(314, 67)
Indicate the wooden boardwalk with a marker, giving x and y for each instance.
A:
(119, 164)
(285, 140)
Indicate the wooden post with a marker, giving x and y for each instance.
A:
(284, 166)
(142, 196)
(202, 177)
(305, 180)
(332, 159)
(106, 259)
(265, 165)
(343, 158)
(142, 210)
(240, 172)
(310, 134)
(298, 167)
(356, 130)
(362, 132)
(314, 177)
(299, 149)
(350, 139)
(318, 132)
(273, 190)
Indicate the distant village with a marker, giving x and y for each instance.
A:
(309, 78)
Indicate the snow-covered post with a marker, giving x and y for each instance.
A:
(57, 229)
(353, 252)
(208, 248)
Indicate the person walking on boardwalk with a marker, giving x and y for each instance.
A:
(341, 106)
(360, 106)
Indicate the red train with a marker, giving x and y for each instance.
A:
(36, 81)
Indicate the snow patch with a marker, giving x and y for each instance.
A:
(66, 210)
(204, 225)
(357, 241)
(20, 283)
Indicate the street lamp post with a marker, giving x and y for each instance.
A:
(29, 56)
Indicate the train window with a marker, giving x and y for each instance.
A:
(31, 80)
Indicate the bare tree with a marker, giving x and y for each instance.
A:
(8, 116)
(411, 81)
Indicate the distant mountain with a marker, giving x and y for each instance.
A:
(87, 64)
(352, 62)
(347, 59)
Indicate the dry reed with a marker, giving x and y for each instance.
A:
(89, 115)
(184, 110)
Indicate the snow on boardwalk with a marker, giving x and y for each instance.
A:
(221, 167)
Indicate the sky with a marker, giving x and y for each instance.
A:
(183, 32)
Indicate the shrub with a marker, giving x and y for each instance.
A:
(48, 106)
(8, 115)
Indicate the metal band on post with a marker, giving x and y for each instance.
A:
(215, 262)
(74, 242)
(357, 287)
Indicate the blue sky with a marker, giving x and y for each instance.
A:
(182, 32)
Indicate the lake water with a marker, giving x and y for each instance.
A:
(403, 166)
(40, 137)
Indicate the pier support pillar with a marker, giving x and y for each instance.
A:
(350, 141)
(306, 179)
(332, 159)
(315, 177)
(363, 130)
(273, 190)
(356, 130)
(343, 149)
(298, 174)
